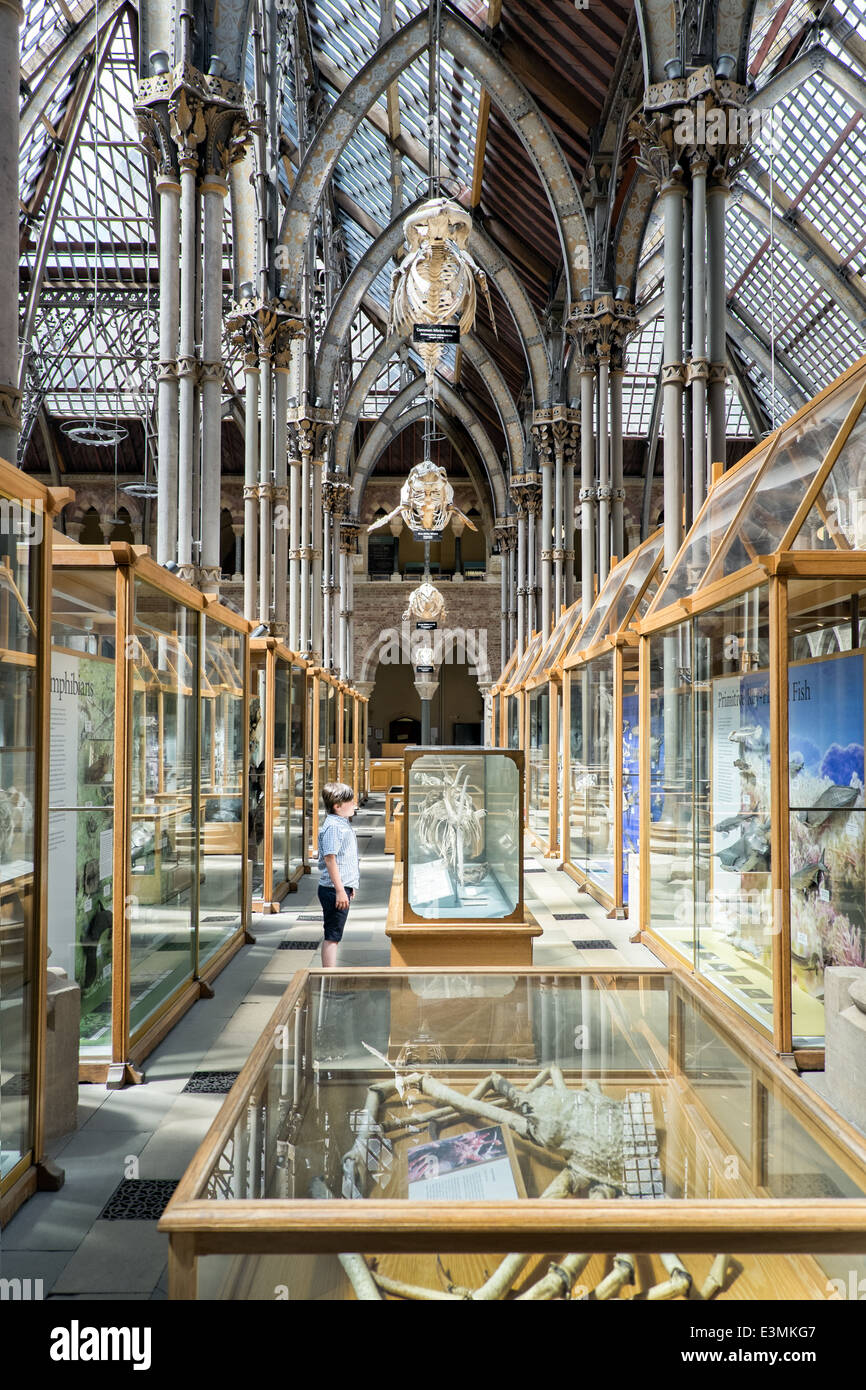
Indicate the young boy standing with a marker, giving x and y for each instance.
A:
(339, 871)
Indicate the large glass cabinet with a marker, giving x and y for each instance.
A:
(420, 1095)
(463, 843)
(753, 860)
(148, 873)
(277, 776)
(600, 784)
(25, 598)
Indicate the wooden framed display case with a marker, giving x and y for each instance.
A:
(499, 704)
(25, 670)
(363, 747)
(753, 829)
(385, 773)
(462, 860)
(148, 879)
(326, 748)
(393, 799)
(600, 751)
(277, 791)
(517, 706)
(707, 1142)
(543, 695)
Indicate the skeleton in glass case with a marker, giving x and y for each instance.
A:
(450, 824)
(583, 1129)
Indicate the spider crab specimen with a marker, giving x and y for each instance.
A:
(435, 281)
(450, 825)
(584, 1128)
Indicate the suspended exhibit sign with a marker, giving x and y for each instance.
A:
(433, 536)
(436, 333)
(426, 627)
(433, 289)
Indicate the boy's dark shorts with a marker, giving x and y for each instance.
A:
(335, 919)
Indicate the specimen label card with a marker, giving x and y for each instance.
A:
(473, 1167)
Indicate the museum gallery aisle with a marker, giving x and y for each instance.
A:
(149, 1133)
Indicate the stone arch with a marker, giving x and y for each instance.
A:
(491, 260)
(395, 422)
(465, 44)
(478, 356)
(392, 423)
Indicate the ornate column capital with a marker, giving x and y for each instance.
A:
(10, 406)
(350, 529)
(525, 490)
(336, 493)
(260, 326)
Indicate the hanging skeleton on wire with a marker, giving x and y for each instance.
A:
(435, 282)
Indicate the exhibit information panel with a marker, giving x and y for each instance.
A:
(710, 864)
(463, 835)
(569, 1094)
(21, 552)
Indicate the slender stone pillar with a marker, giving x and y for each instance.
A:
(237, 532)
(717, 194)
(673, 372)
(251, 485)
(282, 365)
(294, 546)
(588, 493)
(10, 395)
(617, 505)
(305, 442)
(521, 580)
(316, 605)
(544, 521)
(604, 489)
(571, 442)
(699, 366)
(187, 365)
(214, 191)
(266, 444)
(168, 191)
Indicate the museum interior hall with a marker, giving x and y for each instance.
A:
(432, 602)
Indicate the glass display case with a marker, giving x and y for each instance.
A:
(753, 861)
(600, 784)
(469, 1129)
(463, 843)
(25, 597)
(543, 700)
(277, 791)
(328, 728)
(148, 873)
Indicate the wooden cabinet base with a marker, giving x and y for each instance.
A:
(466, 944)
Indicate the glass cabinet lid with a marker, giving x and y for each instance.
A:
(465, 1087)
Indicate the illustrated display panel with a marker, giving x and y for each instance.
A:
(223, 833)
(539, 761)
(81, 792)
(296, 771)
(162, 845)
(825, 791)
(630, 828)
(256, 734)
(464, 840)
(449, 1088)
(20, 583)
(283, 791)
(592, 772)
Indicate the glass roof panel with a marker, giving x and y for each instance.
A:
(636, 581)
(559, 635)
(709, 530)
(591, 632)
(529, 658)
(774, 25)
(784, 482)
(837, 521)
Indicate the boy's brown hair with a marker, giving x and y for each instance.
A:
(335, 794)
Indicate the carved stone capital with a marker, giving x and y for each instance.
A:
(188, 573)
(10, 406)
(280, 493)
(167, 371)
(718, 373)
(251, 492)
(698, 369)
(212, 372)
(280, 631)
(587, 494)
(187, 367)
(673, 373)
(336, 493)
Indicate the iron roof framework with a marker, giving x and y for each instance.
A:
(796, 233)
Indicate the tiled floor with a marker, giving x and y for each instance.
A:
(153, 1130)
